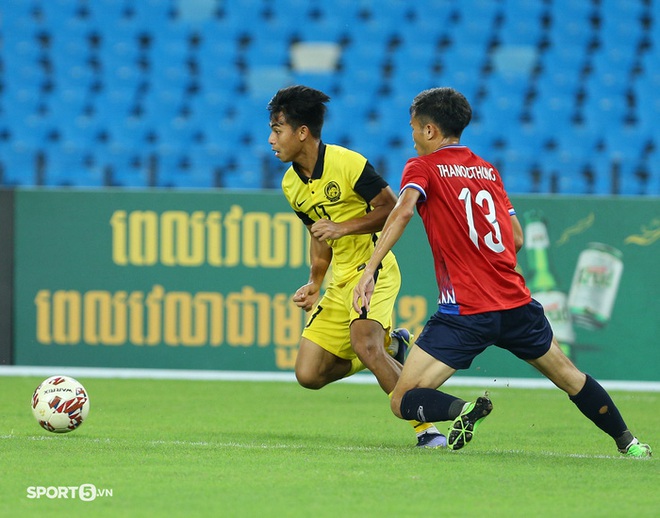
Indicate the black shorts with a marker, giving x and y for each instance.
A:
(457, 339)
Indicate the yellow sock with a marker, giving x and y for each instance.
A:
(356, 366)
(420, 428)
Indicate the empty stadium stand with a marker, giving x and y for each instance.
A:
(173, 93)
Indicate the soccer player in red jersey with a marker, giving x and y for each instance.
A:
(474, 236)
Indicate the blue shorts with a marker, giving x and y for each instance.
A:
(456, 340)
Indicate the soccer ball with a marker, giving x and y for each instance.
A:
(60, 404)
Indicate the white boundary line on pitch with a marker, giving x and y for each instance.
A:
(366, 378)
(280, 446)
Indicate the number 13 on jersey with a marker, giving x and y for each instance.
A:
(484, 199)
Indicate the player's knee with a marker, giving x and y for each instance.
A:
(369, 351)
(308, 380)
(312, 378)
(395, 405)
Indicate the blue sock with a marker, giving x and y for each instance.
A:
(595, 403)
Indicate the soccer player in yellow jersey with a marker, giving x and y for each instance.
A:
(344, 203)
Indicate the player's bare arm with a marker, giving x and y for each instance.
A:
(320, 253)
(382, 204)
(394, 227)
(518, 235)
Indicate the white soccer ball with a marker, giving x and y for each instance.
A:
(60, 404)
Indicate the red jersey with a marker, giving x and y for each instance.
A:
(467, 217)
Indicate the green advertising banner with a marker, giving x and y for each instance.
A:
(593, 264)
(203, 280)
(163, 280)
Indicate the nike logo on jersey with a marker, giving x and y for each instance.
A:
(301, 203)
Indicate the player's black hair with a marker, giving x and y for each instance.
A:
(301, 106)
(445, 107)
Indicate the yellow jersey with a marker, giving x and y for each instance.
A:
(342, 185)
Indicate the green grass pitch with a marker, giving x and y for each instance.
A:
(273, 449)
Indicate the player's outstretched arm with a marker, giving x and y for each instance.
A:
(394, 227)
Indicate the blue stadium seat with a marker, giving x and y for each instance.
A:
(570, 25)
(18, 166)
(522, 28)
(604, 106)
(602, 168)
(321, 23)
(177, 169)
(395, 164)
(617, 21)
(578, 146)
(129, 171)
(634, 177)
(247, 173)
(648, 102)
(154, 15)
(360, 74)
(34, 130)
(70, 166)
(128, 132)
(112, 107)
(572, 182)
(177, 133)
(515, 170)
(124, 167)
(433, 17)
(627, 144)
(267, 51)
(21, 63)
(263, 82)
(554, 103)
(57, 13)
(110, 11)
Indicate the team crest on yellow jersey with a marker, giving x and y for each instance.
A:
(332, 191)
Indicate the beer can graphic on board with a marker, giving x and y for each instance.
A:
(595, 285)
